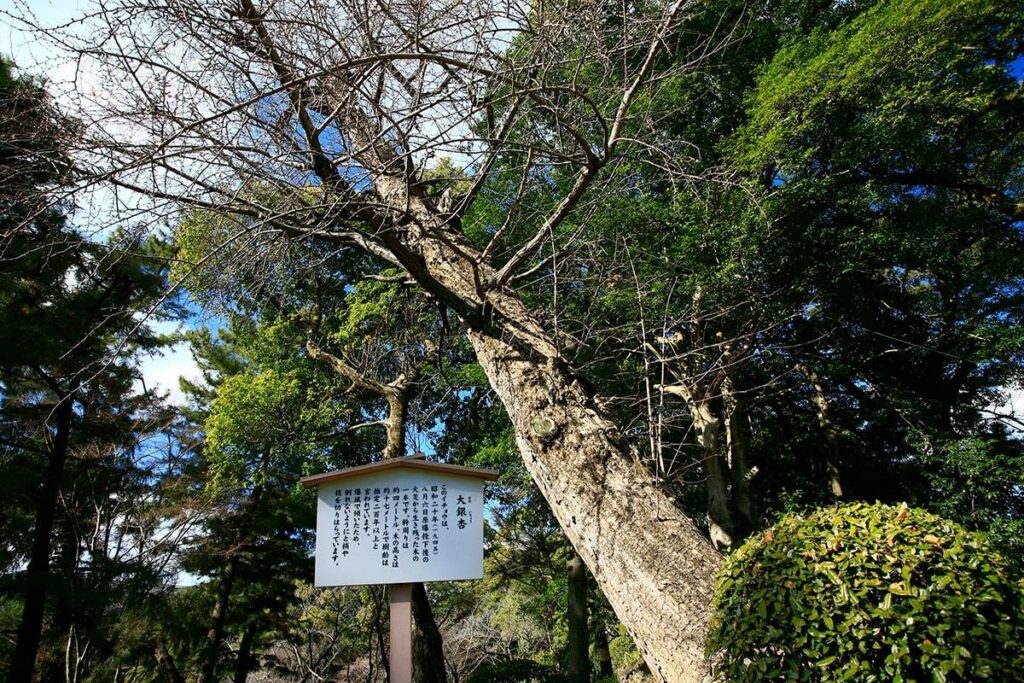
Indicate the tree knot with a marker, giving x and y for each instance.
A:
(544, 427)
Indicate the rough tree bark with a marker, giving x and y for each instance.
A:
(650, 560)
(722, 514)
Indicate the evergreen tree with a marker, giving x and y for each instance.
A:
(71, 409)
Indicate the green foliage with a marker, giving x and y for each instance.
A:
(898, 74)
(264, 417)
(867, 593)
(445, 178)
(623, 651)
(971, 477)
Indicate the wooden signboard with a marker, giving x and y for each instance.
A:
(398, 522)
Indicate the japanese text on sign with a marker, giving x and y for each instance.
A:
(399, 526)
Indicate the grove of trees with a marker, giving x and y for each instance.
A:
(675, 269)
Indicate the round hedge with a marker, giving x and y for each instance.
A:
(867, 593)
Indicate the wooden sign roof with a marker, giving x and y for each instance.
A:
(418, 462)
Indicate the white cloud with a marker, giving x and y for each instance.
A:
(160, 373)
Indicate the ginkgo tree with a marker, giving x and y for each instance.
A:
(316, 126)
(356, 100)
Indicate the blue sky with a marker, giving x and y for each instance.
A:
(160, 372)
(16, 42)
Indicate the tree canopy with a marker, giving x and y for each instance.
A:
(678, 270)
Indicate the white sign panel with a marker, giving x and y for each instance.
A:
(399, 526)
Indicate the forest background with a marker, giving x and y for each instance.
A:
(797, 282)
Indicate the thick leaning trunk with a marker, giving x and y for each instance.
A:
(651, 562)
(648, 558)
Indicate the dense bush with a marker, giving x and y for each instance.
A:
(867, 593)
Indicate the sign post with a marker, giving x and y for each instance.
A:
(401, 633)
(399, 521)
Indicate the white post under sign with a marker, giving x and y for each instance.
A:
(399, 522)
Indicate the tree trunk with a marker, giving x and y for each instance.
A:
(211, 649)
(578, 655)
(37, 573)
(245, 660)
(650, 560)
(427, 645)
(736, 424)
(604, 653)
(378, 627)
(165, 663)
(396, 424)
(832, 478)
(721, 516)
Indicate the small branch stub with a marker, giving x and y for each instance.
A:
(544, 427)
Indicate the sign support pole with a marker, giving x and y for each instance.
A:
(401, 633)
(427, 525)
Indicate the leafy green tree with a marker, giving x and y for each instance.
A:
(836, 313)
(890, 156)
(263, 423)
(74, 419)
(376, 338)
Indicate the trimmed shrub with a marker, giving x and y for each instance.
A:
(867, 593)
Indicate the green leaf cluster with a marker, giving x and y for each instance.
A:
(867, 593)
